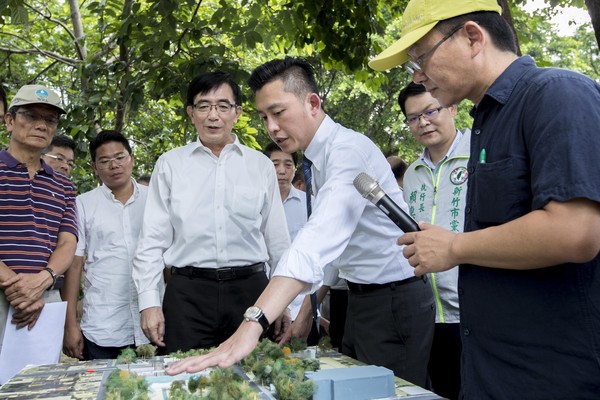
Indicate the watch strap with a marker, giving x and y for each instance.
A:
(260, 318)
(53, 275)
(264, 322)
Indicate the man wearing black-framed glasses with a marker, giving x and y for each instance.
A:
(38, 240)
(110, 219)
(214, 216)
(435, 189)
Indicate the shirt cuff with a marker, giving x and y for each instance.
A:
(149, 298)
(301, 266)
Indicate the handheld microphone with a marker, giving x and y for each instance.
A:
(370, 189)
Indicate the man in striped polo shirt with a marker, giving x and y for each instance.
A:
(38, 229)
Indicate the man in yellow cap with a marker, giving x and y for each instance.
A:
(529, 275)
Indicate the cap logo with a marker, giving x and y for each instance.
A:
(42, 95)
(412, 21)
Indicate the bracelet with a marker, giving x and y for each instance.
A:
(53, 275)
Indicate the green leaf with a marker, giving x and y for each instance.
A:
(18, 15)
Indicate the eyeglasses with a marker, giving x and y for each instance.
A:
(31, 116)
(428, 115)
(119, 160)
(222, 107)
(61, 160)
(417, 65)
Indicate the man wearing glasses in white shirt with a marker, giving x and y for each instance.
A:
(110, 219)
(215, 216)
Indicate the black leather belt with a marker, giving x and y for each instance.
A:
(219, 274)
(363, 288)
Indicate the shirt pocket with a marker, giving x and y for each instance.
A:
(502, 191)
(247, 202)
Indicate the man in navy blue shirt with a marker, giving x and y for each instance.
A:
(529, 279)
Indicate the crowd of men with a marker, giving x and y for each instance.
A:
(496, 296)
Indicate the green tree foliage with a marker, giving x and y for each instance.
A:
(127, 356)
(125, 64)
(123, 385)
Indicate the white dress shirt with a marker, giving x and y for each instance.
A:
(345, 229)
(296, 216)
(209, 212)
(295, 211)
(108, 235)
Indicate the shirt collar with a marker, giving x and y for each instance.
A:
(8, 159)
(317, 148)
(12, 162)
(235, 145)
(294, 193)
(109, 194)
(426, 158)
(48, 169)
(504, 85)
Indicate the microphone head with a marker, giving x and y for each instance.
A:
(368, 187)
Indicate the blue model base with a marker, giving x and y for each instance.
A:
(355, 383)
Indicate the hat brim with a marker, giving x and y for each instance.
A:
(396, 54)
(25, 103)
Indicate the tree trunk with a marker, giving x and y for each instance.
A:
(593, 7)
(123, 101)
(79, 36)
(508, 17)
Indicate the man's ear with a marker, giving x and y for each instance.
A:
(9, 121)
(476, 36)
(453, 110)
(238, 112)
(314, 101)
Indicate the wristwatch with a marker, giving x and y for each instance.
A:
(53, 275)
(255, 314)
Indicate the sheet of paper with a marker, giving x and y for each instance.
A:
(41, 345)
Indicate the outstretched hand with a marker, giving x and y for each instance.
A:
(429, 250)
(238, 346)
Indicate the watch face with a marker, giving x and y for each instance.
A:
(252, 312)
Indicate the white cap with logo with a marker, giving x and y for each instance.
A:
(37, 94)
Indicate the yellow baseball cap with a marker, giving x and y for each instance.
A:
(420, 16)
(37, 94)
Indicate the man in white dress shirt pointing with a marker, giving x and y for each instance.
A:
(390, 316)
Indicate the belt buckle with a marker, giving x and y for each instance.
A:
(225, 274)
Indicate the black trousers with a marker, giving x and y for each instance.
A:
(444, 362)
(338, 306)
(92, 351)
(203, 313)
(392, 327)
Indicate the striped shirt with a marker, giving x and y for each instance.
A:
(32, 214)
